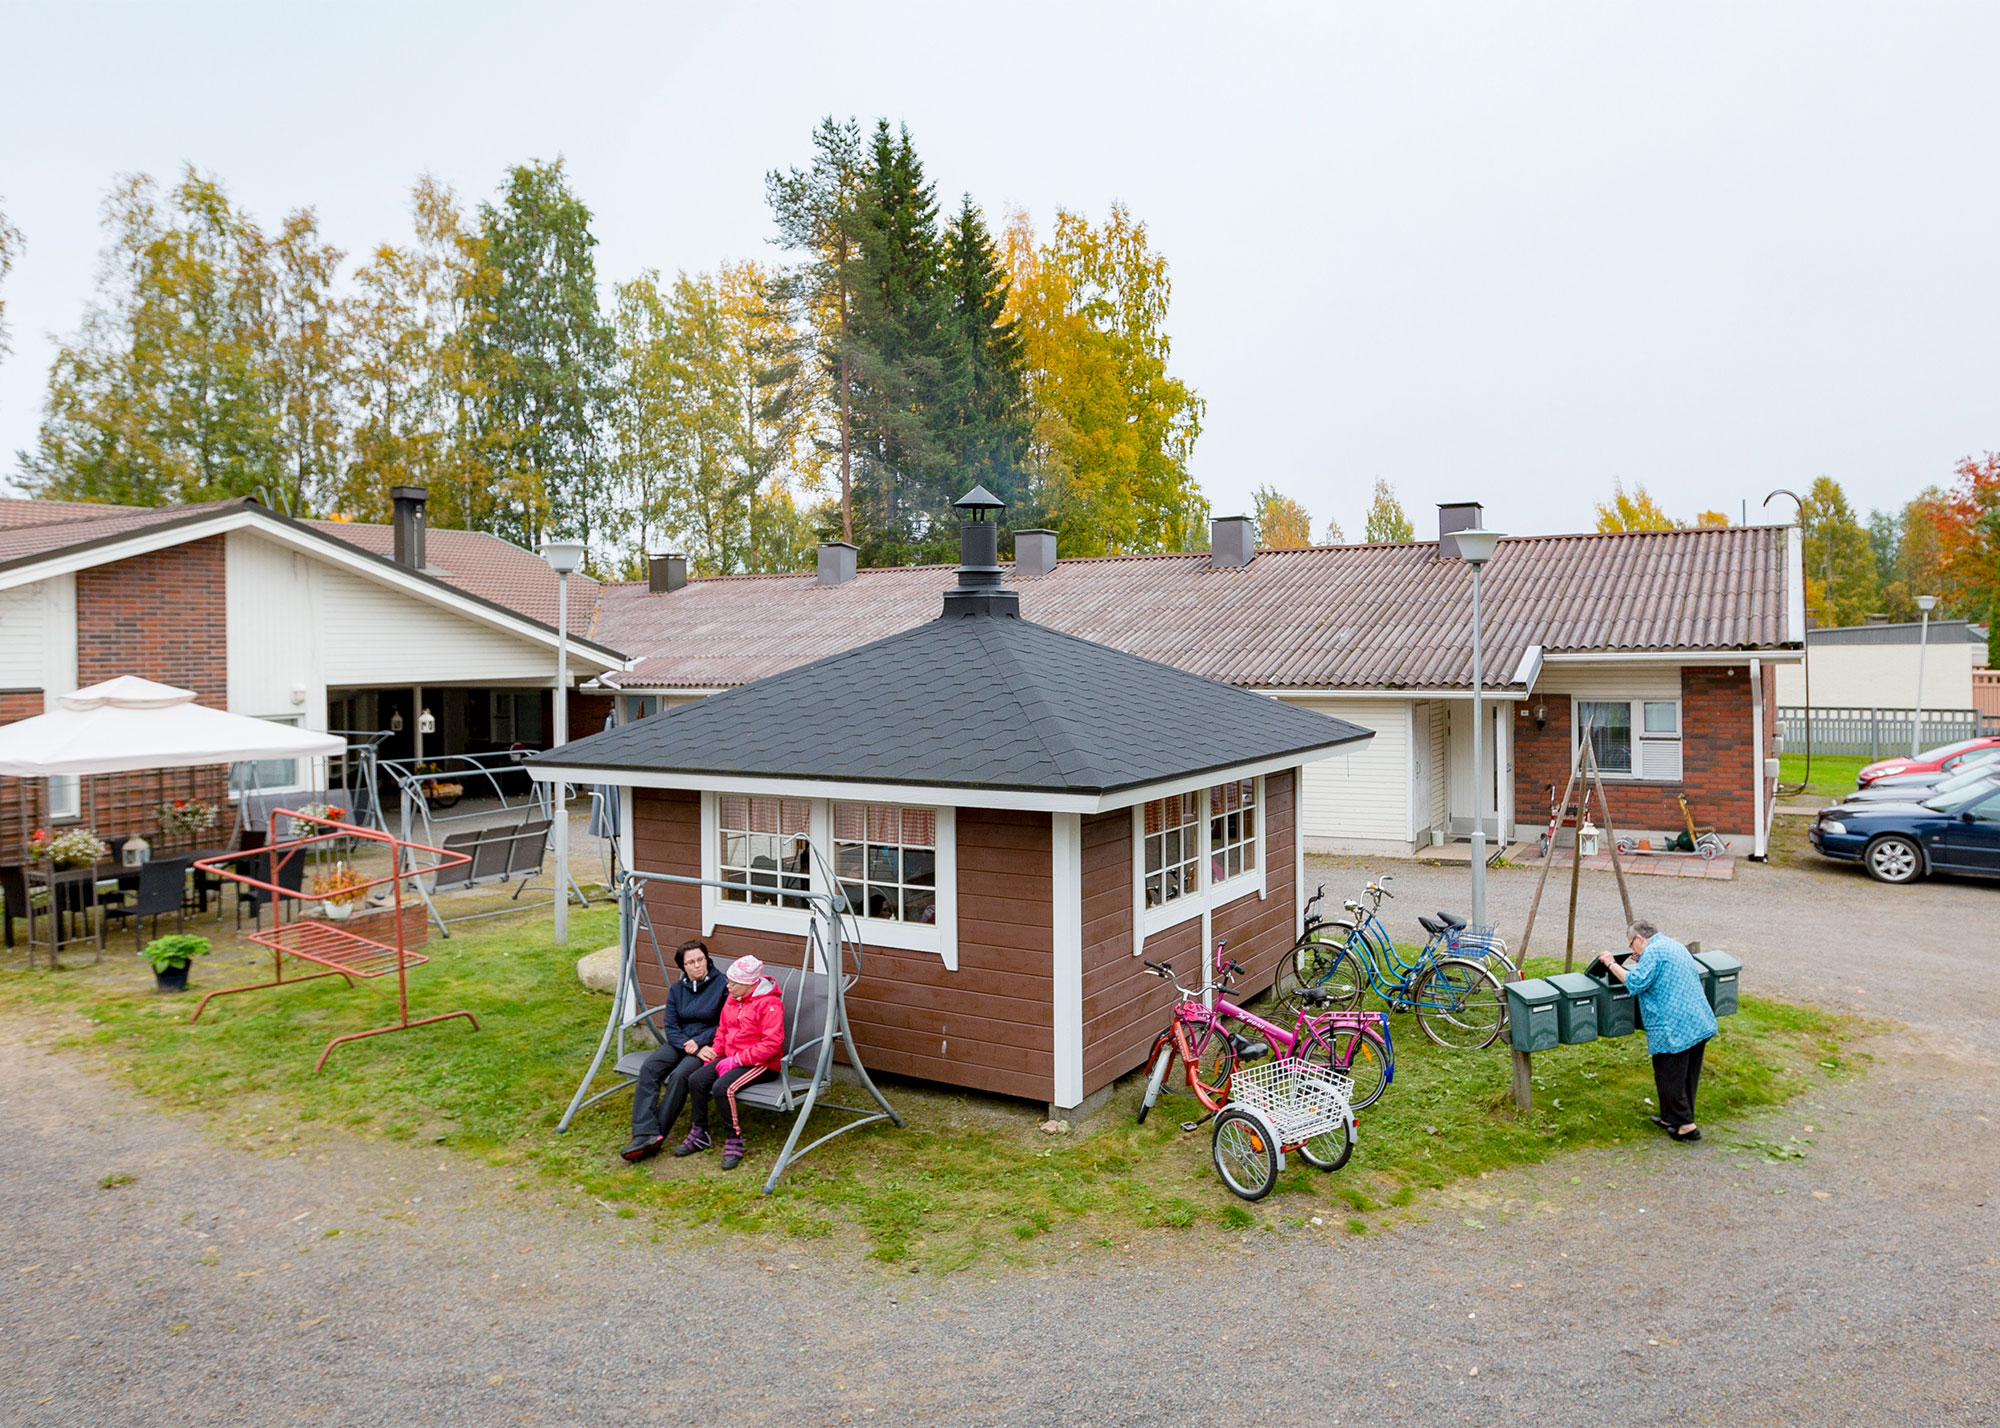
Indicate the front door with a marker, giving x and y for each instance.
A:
(1458, 769)
(1420, 771)
(1971, 841)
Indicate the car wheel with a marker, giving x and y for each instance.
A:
(1893, 860)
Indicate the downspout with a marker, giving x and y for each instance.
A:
(1759, 831)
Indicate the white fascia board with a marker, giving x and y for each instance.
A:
(1795, 585)
(930, 795)
(672, 691)
(1699, 657)
(327, 548)
(1528, 670)
(1384, 691)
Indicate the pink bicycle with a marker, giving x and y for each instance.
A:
(1356, 1044)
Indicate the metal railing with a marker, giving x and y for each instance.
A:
(1874, 733)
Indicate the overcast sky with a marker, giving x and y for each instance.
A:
(1484, 250)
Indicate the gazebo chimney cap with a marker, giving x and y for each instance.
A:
(977, 501)
(127, 691)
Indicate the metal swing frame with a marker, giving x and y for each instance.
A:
(832, 928)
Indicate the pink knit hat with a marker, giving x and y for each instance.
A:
(746, 969)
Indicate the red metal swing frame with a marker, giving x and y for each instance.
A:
(327, 944)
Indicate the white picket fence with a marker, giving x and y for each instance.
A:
(1873, 733)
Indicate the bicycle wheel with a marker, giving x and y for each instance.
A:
(1330, 1151)
(1329, 967)
(1460, 1004)
(1159, 1062)
(1211, 1061)
(1245, 1156)
(1360, 1055)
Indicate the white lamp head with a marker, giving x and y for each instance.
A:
(565, 557)
(1475, 547)
(427, 723)
(1927, 603)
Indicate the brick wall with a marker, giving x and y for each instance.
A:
(162, 616)
(1716, 758)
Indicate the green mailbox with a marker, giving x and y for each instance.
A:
(1617, 1010)
(1531, 1015)
(1719, 973)
(1576, 1007)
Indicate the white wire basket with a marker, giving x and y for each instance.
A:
(1302, 1100)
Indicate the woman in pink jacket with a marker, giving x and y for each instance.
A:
(749, 1040)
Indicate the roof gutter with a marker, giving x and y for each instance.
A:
(1702, 657)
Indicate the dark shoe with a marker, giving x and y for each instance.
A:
(732, 1152)
(1662, 1123)
(643, 1146)
(1694, 1134)
(696, 1142)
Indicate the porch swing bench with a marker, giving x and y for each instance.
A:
(815, 1017)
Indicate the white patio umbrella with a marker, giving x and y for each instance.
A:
(129, 723)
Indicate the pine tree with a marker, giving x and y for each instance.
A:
(545, 356)
(985, 426)
(818, 214)
(10, 248)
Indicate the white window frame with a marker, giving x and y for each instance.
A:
(299, 782)
(1640, 738)
(65, 793)
(1147, 921)
(939, 938)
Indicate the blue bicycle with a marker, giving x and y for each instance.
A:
(1457, 998)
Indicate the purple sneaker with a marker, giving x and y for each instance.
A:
(732, 1152)
(696, 1142)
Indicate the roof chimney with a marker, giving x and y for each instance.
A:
(1232, 541)
(836, 562)
(666, 571)
(1453, 517)
(1034, 552)
(408, 524)
(979, 591)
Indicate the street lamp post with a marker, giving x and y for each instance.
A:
(564, 558)
(1476, 548)
(1926, 603)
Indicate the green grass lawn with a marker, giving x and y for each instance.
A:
(972, 1177)
(1831, 775)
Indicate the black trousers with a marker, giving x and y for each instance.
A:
(669, 1067)
(703, 1083)
(1675, 1077)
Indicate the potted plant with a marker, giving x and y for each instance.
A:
(185, 818)
(76, 848)
(340, 890)
(170, 956)
(442, 793)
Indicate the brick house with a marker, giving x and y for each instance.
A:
(319, 624)
(1665, 640)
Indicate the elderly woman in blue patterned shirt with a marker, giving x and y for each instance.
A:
(1665, 981)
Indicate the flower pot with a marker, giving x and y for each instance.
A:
(174, 979)
(338, 911)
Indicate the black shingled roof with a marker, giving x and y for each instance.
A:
(982, 701)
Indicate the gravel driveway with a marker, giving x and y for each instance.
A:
(1656, 1284)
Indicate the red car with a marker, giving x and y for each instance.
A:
(1942, 760)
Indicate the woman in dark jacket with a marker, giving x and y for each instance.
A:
(694, 1006)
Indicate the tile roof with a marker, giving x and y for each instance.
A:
(980, 701)
(1331, 617)
(482, 565)
(472, 561)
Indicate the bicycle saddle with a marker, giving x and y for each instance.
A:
(1248, 1050)
(1317, 996)
(1431, 926)
(1451, 920)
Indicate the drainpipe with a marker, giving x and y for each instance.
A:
(1759, 840)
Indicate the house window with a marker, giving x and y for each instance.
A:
(1232, 829)
(267, 775)
(886, 860)
(764, 844)
(1173, 848)
(65, 798)
(1634, 738)
(1610, 726)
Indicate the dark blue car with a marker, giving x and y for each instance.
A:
(1901, 842)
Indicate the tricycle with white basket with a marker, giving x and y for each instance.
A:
(1277, 1107)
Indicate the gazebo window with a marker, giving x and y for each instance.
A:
(1232, 829)
(1173, 848)
(763, 843)
(886, 860)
